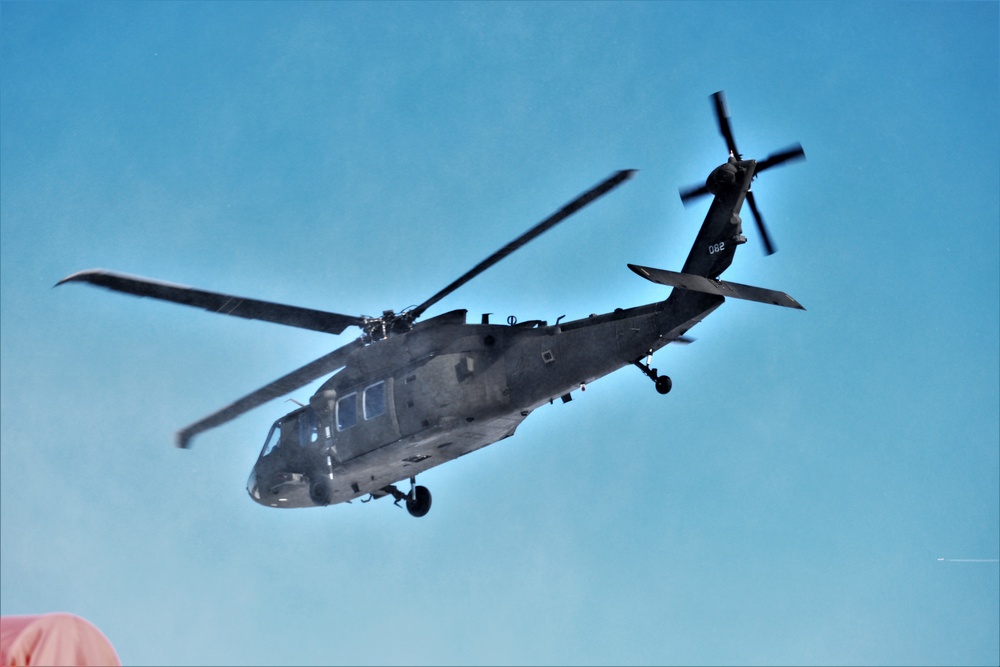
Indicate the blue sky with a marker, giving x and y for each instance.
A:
(787, 503)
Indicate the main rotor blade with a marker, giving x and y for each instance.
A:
(283, 385)
(769, 248)
(722, 114)
(793, 152)
(569, 209)
(251, 309)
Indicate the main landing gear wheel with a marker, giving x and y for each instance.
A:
(418, 501)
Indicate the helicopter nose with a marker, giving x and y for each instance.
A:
(252, 485)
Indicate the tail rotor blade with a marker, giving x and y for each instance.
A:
(769, 248)
(722, 114)
(688, 195)
(793, 152)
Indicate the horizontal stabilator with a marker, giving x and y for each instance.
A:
(717, 287)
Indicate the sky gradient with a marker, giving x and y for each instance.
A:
(787, 503)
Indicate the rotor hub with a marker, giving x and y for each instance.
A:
(390, 324)
(722, 178)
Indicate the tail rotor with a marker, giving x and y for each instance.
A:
(789, 154)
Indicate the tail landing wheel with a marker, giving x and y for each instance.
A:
(663, 382)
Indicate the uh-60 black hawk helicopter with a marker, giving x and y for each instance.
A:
(407, 395)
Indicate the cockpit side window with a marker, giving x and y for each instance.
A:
(308, 428)
(375, 400)
(347, 412)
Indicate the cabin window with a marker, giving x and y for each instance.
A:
(347, 412)
(375, 400)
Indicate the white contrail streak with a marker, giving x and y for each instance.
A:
(969, 560)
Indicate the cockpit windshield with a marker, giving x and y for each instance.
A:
(299, 429)
(273, 437)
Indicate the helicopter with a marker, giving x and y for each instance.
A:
(409, 395)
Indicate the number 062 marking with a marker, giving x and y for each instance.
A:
(716, 247)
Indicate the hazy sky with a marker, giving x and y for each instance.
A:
(787, 503)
